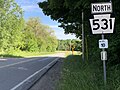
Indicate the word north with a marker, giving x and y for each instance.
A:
(101, 8)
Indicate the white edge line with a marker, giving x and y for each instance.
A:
(21, 62)
(18, 85)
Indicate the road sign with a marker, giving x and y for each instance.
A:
(101, 7)
(102, 24)
(103, 43)
(103, 55)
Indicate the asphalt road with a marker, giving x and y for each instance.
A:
(14, 73)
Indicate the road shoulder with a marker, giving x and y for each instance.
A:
(50, 80)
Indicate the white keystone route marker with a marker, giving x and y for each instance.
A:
(102, 24)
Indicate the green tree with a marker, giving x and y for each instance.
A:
(38, 37)
(11, 25)
(67, 44)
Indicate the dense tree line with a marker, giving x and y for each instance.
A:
(69, 14)
(18, 34)
(38, 37)
(66, 45)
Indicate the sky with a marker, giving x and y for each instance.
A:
(31, 9)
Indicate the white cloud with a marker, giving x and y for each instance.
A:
(59, 32)
(54, 26)
(23, 2)
(31, 8)
(41, 0)
(61, 35)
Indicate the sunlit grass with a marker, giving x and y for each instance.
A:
(23, 54)
(32, 54)
(79, 75)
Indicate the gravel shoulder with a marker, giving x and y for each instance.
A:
(50, 80)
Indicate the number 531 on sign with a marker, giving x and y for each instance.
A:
(102, 24)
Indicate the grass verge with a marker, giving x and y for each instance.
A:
(19, 54)
(88, 75)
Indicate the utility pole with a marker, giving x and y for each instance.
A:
(83, 50)
(70, 44)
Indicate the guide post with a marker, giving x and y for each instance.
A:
(102, 24)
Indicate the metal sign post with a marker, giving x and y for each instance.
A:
(104, 64)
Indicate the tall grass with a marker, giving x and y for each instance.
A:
(23, 54)
(88, 75)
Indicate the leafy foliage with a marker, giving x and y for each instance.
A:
(16, 34)
(38, 37)
(11, 25)
(68, 14)
(66, 45)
